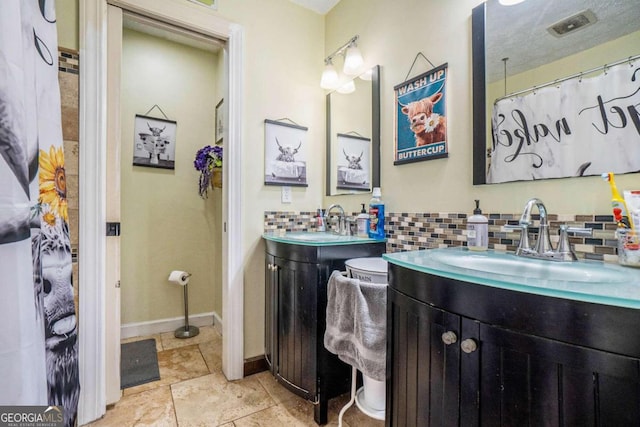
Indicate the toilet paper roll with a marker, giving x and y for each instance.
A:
(179, 277)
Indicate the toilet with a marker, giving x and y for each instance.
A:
(371, 397)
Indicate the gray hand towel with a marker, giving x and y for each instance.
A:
(357, 324)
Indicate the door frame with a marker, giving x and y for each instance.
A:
(94, 85)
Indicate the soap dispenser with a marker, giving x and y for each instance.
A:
(362, 221)
(477, 230)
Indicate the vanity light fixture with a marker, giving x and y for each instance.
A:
(367, 75)
(353, 61)
(348, 87)
(353, 64)
(329, 78)
(509, 2)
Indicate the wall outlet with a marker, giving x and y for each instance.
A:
(286, 194)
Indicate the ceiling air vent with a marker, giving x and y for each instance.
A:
(572, 23)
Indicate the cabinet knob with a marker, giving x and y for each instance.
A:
(449, 337)
(469, 345)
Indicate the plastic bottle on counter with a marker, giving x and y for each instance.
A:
(320, 220)
(477, 230)
(362, 222)
(376, 215)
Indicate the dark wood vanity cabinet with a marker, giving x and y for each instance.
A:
(296, 279)
(460, 354)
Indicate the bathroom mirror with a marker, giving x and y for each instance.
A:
(353, 137)
(523, 34)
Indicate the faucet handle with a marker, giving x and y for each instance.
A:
(523, 227)
(564, 251)
(578, 231)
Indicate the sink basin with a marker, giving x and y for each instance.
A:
(590, 281)
(503, 264)
(317, 238)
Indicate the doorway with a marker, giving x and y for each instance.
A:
(95, 84)
(171, 83)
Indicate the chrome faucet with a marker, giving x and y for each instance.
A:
(342, 222)
(543, 248)
(543, 244)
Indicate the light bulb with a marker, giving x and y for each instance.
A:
(329, 78)
(348, 87)
(367, 75)
(509, 2)
(353, 61)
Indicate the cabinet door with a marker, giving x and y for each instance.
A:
(297, 325)
(270, 312)
(424, 371)
(527, 380)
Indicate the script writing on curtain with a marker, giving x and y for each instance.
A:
(582, 126)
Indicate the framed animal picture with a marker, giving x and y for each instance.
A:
(154, 142)
(354, 162)
(219, 122)
(285, 154)
(421, 118)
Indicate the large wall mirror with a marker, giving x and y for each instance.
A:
(353, 136)
(519, 47)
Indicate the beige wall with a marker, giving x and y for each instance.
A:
(67, 23)
(283, 61)
(391, 34)
(165, 224)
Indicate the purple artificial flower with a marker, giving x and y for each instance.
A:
(206, 159)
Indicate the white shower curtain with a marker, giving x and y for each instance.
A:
(38, 332)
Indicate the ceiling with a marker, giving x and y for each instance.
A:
(318, 6)
(520, 33)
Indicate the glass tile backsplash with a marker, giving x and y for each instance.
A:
(408, 231)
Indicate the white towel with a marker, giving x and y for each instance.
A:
(357, 324)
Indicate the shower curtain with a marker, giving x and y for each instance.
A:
(38, 327)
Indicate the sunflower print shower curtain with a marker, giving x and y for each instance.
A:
(38, 332)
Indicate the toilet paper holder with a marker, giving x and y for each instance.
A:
(182, 278)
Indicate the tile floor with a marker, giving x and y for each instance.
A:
(192, 391)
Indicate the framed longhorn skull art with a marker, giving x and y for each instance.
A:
(154, 142)
(285, 156)
(420, 117)
(354, 162)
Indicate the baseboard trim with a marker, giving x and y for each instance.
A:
(129, 330)
(217, 322)
(254, 365)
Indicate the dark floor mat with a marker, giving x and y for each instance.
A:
(138, 363)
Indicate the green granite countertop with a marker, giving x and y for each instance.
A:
(588, 281)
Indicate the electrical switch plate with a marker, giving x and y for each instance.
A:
(286, 194)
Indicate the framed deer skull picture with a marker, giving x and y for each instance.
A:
(154, 142)
(285, 155)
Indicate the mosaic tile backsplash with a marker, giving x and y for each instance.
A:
(415, 231)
